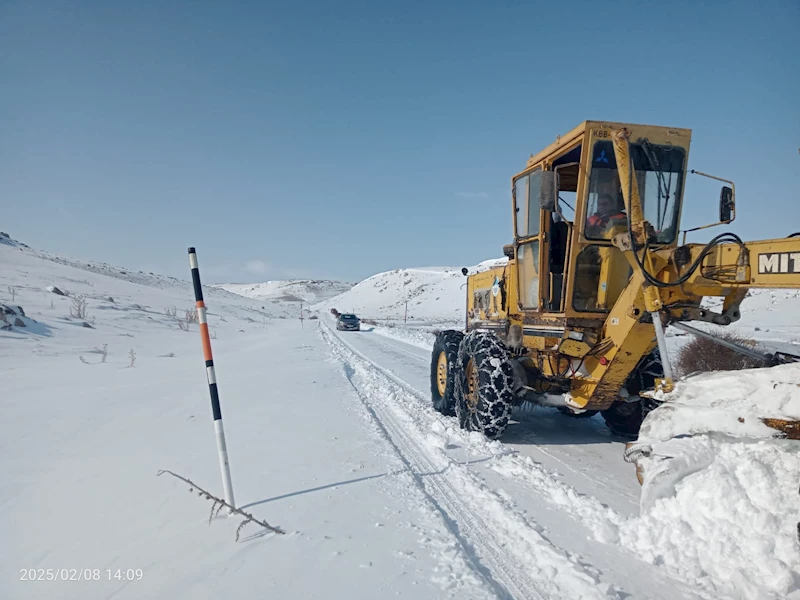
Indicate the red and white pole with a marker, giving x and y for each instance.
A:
(211, 375)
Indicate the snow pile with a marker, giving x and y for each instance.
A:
(293, 290)
(730, 402)
(720, 495)
(433, 294)
(731, 525)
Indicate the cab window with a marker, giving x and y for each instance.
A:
(526, 204)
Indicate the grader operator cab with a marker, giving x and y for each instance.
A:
(576, 318)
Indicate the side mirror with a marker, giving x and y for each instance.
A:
(727, 206)
(464, 271)
(547, 190)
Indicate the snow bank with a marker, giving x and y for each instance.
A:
(419, 337)
(731, 402)
(720, 506)
(731, 525)
(720, 503)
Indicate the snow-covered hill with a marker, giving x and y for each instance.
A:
(433, 294)
(309, 291)
(33, 270)
(768, 315)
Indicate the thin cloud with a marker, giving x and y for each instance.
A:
(258, 267)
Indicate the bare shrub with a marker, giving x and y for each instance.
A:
(104, 353)
(52, 306)
(191, 316)
(84, 361)
(171, 311)
(79, 308)
(132, 356)
(701, 355)
(13, 291)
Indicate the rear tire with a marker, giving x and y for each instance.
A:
(645, 374)
(485, 384)
(625, 418)
(445, 347)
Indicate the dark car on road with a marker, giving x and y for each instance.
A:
(348, 322)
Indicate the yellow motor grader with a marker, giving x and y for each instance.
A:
(576, 318)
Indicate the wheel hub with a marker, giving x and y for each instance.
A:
(441, 373)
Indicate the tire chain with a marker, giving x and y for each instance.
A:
(495, 384)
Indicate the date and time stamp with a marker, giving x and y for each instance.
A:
(119, 575)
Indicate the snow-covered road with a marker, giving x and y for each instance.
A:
(527, 526)
(583, 451)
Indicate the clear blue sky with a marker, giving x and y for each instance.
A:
(340, 139)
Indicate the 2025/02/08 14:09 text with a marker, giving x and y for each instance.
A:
(81, 574)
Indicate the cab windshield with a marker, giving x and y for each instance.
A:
(659, 175)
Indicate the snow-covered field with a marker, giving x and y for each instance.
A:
(332, 438)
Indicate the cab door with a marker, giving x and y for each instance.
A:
(528, 239)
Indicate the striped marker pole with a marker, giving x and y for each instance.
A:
(212, 379)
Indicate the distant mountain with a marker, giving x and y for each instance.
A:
(309, 291)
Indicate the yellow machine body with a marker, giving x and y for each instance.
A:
(575, 302)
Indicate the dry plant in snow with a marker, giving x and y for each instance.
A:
(218, 504)
(79, 308)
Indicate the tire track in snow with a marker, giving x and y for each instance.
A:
(533, 480)
(416, 465)
(626, 501)
(511, 555)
